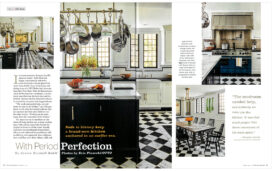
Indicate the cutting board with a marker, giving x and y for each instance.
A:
(89, 90)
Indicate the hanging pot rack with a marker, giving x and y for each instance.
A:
(89, 11)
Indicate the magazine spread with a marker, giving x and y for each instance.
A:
(135, 84)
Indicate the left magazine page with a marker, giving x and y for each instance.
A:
(29, 114)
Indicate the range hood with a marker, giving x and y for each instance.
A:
(232, 21)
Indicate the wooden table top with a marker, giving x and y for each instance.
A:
(194, 127)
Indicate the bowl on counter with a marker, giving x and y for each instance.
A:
(75, 83)
(125, 76)
(41, 49)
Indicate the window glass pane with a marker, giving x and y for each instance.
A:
(150, 50)
(70, 60)
(221, 100)
(88, 50)
(134, 51)
(103, 49)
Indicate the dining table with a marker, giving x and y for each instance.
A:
(195, 129)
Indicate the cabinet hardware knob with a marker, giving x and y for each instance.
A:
(100, 108)
(73, 114)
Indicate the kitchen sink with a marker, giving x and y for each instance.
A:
(123, 88)
(148, 83)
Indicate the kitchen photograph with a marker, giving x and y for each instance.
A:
(116, 84)
(231, 37)
(26, 43)
(200, 121)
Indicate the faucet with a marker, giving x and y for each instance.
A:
(111, 82)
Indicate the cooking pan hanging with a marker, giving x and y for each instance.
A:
(96, 30)
(84, 40)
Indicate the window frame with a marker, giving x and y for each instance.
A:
(202, 101)
(95, 48)
(219, 103)
(197, 100)
(109, 51)
(131, 51)
(156, 51)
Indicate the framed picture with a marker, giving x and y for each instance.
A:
(21, 38)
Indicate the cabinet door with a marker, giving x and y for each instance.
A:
(125, 124)
(9, 61)
(256, 63)
(166, 94)
(153, 99)
(143, 98)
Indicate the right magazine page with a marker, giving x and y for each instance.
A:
(222, 78)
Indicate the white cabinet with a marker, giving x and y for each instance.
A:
(150, 91)
(168, 44)
(150, 98)
(255, 34)
(166, 94)
(155, 94)
(256, 62)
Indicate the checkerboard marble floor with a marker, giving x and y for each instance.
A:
(30, 60)
(240, 80)
(154, 141)
(199, 150)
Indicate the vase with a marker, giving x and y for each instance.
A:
(189, 123)
(86, 72)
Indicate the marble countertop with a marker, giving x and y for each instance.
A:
(119, 78)
(208, 63)
(66, 93)
(10, 50)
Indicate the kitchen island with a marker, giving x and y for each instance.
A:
(9, 58)
(47, 58)
(109, 119)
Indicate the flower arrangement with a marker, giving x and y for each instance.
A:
(85, 63)
(189, 120)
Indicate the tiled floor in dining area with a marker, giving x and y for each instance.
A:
(155, 143)
(199, 150)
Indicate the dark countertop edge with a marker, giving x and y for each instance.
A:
(117, 79)
(257, 50)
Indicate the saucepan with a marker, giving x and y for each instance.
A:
(96, 32)
(83, 32)
(71, 47)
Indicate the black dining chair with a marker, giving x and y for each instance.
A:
(195, 120)
(221, 129)
(26, 49)
(182, 135)
(202, 121)
(211, 122)
(214, 138)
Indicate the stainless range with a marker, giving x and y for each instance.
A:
(233, 52)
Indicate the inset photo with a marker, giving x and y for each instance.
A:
(200, 121)
(26, 43)
(231, 41)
